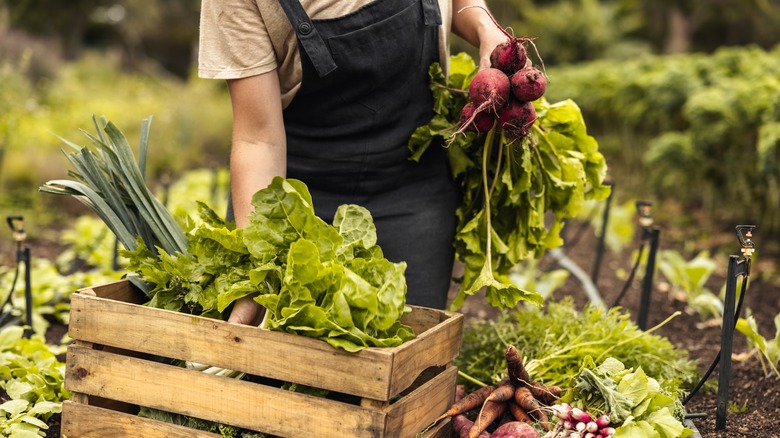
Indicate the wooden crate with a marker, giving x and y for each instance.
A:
(385, 392)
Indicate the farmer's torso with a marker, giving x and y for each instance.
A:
(364, 92)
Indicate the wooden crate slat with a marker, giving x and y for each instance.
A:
(231, 401)
(85, 421)
(412, 413)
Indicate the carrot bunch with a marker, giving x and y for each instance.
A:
(517, 397)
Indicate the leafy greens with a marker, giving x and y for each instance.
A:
(515, 194)
(330, 282)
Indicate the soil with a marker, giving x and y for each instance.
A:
(754, 396)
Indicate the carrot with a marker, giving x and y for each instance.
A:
(461, 426)
(469, 402)
(525, 399)
(504, 391)
(545, 394)
(514, 365)
(519, 413)
(489, 412)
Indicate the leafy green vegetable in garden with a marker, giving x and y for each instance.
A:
(315, 279)
(556, 341)
(516, 194)
(635, 402)
(33, 378)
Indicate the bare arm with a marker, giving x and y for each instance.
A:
(258, 154)
(259, 148)
(475, 25)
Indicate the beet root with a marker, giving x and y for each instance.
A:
(470, 120)
(528, 84)
(489, 89)
(515, 429)
(516, 118)
(509, 56)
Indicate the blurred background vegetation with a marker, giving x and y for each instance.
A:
(683, 96)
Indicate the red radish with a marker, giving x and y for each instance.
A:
(516, 118)
(602, 421)
(515, 429)
(480, 122)
(528, 84)
(580, 415)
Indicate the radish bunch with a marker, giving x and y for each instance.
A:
(576, 423)
(503, 93)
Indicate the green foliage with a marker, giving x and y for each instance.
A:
(50, 289)
(699, 129)
(556, 341)
(515, 193)
(768, 349)
(636, 403)
(191, 118)
(33, 378)
(688, 279)
(315, 279)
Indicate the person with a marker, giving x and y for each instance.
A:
(330, 92)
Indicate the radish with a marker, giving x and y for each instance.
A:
(480, 122)
(580, 415)
(516, 119)
(528, 84)
(602, 421)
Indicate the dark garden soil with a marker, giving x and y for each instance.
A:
(753, 396)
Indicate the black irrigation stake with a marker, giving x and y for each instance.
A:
(602, 236)
(650, 234)
(737, 267)
(16, 223)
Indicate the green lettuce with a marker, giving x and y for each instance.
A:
(327, 281)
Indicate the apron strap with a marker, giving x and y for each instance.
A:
(431, 12)
(310, 39)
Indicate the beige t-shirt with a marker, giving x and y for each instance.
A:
(241, 38)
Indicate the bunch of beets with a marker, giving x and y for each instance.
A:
(503, 93)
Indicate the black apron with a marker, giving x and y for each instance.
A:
(365, 90)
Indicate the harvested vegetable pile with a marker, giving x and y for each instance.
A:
(520, 178)
(516, 407)
(327, 281)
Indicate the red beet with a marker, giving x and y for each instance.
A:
(509, 56)
(515, 429)
(461, 426)
(516, 118)
(489, 89)
(528, 84)
(480, 122)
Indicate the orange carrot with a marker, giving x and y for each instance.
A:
(514, 365)
(503, 392)
(545, 394)
(489, 412)
(469, 402)
(525, 399)
(519, 413)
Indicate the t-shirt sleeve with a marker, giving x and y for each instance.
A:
(233, 40)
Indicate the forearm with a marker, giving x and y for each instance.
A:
(252, 167)
(472, 21)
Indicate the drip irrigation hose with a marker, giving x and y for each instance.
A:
(717, 356)
(630, 276)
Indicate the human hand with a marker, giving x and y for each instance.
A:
(246, 311)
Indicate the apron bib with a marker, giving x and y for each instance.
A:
(365, 90)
